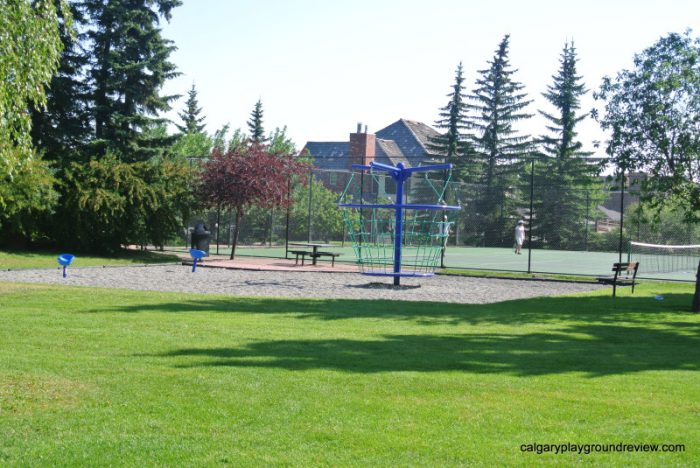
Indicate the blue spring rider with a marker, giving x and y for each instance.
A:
(196, 255)
(65, 260)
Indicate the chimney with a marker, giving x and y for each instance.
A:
(362, 147)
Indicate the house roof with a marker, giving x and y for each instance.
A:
(403, 141)
(329, 154)
(389, 152)
(411, 136)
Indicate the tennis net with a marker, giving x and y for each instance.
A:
(657, 258)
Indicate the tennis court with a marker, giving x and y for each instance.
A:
(504, 259)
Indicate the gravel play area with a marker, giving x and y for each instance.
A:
(278, 284)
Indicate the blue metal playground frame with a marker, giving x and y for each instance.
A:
(400, 174)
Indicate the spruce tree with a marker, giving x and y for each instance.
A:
(255, 124)
(190, 116)
(451, 144)
(497, 103)
(566, 184)
(62, 128)
(128, 68)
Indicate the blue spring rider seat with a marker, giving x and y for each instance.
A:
(64, 260)
(196, 255)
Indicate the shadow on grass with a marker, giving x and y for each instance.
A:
(594, 350)
(535, 310)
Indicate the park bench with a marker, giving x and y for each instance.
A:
(327, 254)
(625, 275)
(300, 253)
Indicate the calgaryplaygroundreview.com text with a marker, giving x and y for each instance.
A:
(587, 449)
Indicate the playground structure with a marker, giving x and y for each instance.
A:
(399, 234)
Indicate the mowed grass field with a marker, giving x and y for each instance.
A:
(112, 377)
(17, 259)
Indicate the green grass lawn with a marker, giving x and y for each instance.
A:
(114, 377)
(16, 259)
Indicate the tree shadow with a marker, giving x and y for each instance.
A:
(602, 309)
(594, 350)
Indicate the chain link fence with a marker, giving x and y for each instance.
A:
(568, 230)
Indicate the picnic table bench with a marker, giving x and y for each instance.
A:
(326, 254)
(300, 253)
(625, 275)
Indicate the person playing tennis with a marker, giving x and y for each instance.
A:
(519, 236)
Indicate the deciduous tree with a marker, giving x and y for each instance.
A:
(30, 48)
(653, 113)
(243, 177)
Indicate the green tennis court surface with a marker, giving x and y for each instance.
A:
(490, 258)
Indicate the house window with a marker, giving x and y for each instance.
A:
(333, 179)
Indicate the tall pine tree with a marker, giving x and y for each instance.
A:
(255, 124)
(451, 144)
(192, 122)
(566, 184)
(62, 128)
(496, 105)
(130, 63)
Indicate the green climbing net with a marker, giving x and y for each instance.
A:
(370, 219)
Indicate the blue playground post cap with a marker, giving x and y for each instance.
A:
(197, 254)
(65, 259)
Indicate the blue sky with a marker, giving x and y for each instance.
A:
(320, 67)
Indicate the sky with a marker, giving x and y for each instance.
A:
(320, 67)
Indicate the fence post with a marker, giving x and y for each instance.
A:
(272, 222)
(529, 231)
(622, 210)
(311, 183)
(289, 207)
(218, 220)
(588, 212)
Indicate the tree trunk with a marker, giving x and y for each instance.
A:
(696, 296)
(236, 229)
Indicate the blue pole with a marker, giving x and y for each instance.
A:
(194, 265)
(398, 231)
(64, 271)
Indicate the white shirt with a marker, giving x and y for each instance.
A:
(520, 233)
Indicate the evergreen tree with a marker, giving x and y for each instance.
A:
(190, 117)
(129, 65)
(496, 105)
(566, 184)
(451, 144)
(255, 124)
(62, 128)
